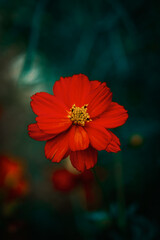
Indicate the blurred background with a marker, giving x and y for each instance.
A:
(116, 41)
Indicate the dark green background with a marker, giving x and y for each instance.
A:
(117, 41)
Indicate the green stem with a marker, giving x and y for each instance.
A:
(120, 191)
(105, 202)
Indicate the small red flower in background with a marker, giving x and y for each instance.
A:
(75, 120)
(65, 181)
(83, 184)
(12, 182)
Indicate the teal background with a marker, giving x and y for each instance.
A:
(116, 41)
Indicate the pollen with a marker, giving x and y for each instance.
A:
(79, 115)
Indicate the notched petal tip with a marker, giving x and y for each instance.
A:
(114, 145)
(72, 90)
(112, 148)
(37, 134)
(84, 159)
(115, 116)
(99, 137)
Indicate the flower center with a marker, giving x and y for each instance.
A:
(79, 115)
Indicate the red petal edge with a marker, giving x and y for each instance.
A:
(84, 159)
(99, 137)
(57, 148)
(114, 117)
(114, 145)
(72, 90)
(78, 138)
(37, 134)
(99, 100)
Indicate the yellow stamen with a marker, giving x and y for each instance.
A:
(79, 115)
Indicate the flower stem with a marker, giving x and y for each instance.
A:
(105, 203)
(120, 191)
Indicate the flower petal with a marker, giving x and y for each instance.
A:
(52, 125)
(114, 145)
(84, 159)
(52, 113)
(37, 134)
(95, 84)
(115, 116)
(61, 90)
(78, 139)
(57, 148)
(99, 100)
(98, 136)
(74, 89)
(44, 104)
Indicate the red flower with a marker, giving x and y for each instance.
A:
(11, 171)
(63, 180)
(12, 182)
(75, 120)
